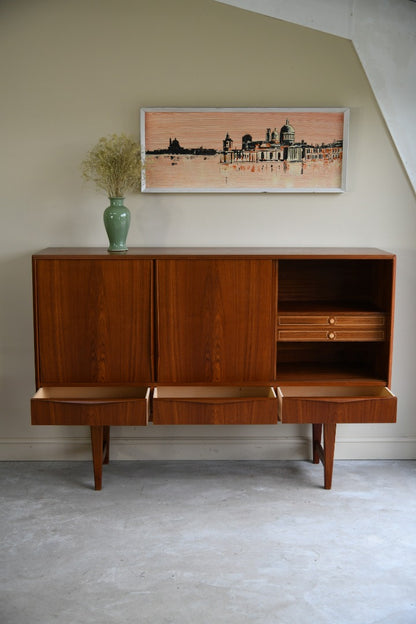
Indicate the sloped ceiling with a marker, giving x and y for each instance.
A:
(383, 33)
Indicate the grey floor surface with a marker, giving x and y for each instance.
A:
(208, 542)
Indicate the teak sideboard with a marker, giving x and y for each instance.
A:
(227, 336)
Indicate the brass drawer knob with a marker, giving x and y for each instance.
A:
(331, 335)
(331, 320)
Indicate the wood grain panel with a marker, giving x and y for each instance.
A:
(93, 320)
(217, 320)
(215, 412)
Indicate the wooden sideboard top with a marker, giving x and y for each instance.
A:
(217, 252)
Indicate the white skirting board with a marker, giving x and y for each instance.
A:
(202, 448)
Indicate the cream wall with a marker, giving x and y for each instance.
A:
(74, 71)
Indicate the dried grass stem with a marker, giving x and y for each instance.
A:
(114, 164)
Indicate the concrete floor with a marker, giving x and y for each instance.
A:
(208, 543)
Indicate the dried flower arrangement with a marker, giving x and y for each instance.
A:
(114, 164)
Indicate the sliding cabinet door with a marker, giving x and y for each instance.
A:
(93, 321)
(216, 320)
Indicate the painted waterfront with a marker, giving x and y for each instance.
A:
(190, 172)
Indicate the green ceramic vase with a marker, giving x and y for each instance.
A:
(117, 223)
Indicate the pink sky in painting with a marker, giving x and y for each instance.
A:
(194, 129)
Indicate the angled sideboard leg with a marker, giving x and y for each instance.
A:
(106, 444)
(326, 452)
(316, 442)
(97, 444)
(330, 430)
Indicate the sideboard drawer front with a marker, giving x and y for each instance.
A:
(302, 334)
(336, 404)
(352, 319)
(215, 405)
(90, 406)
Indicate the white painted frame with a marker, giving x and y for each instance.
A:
(148, 188)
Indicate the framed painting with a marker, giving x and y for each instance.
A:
(244, 150)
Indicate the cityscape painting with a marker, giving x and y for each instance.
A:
(241, 150)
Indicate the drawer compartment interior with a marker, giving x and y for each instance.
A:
(90, 405)
(336, 404)
(214, 405)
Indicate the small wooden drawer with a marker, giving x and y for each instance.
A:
(90, 406)
(331, 326)
(214, 405)
(336, 404)
(302, 334)
(344, 319)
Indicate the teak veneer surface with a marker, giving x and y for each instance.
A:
(216, 320)
(93, 321)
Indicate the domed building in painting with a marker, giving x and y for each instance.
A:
(287, 134)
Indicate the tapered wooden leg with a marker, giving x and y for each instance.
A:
(106, 444)
(324, 453)
(97, 444)
(316, 442)
(329, 450)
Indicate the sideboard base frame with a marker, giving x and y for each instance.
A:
(100, 445)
